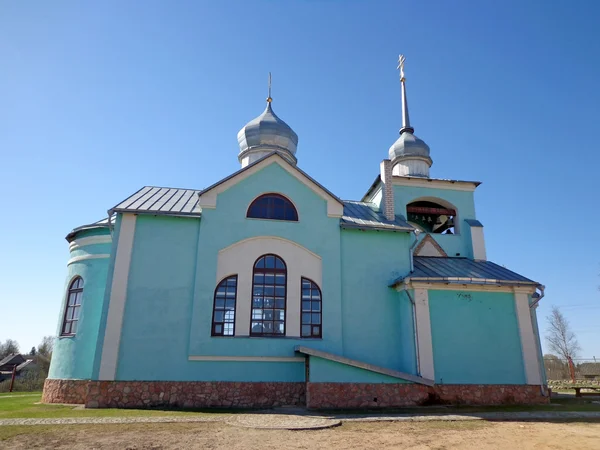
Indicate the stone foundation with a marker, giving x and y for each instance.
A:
(206, 394)
(64, 391)
(367, 395)
(192, 394)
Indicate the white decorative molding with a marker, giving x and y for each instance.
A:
(90, 256)
(91, 240)
(208, 199)
(528, 339)
(454, 185)
(478, 242)
(429, 247)
(465, 287)
(239, 259)
(424, 340)
(297, 359)
(118, 294)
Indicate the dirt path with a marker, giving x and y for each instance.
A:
(425, 435)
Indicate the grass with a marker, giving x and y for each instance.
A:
(27, 406)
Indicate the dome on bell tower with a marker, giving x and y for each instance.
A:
(265, 134)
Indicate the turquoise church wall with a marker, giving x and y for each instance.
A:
(326, 371)
(73, 356)
(173, 277)
(475, 338)
(408, 357)
(464, 202)
(377, 322)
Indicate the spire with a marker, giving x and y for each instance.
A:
(269, 99)
(409, 154)
(405, 118)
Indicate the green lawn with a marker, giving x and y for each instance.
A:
(26, 405)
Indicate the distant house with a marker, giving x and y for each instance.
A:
(7, 365)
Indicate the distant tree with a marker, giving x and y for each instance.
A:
(44, 354)
(560, 337)
(8, 347)
(32, 351)
(46, 347)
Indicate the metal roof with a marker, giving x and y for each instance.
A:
(161, 201)
(474, 223)
(366, 216)
(461, 271)
(102, 223)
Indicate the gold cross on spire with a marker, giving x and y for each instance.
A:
(401, 60)
(269, 99)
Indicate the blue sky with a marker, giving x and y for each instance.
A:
(100, 98)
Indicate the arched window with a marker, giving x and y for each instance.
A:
(432, 217)
(272, 206)
(311, 309)
(71, 318)
(223, 322)
(268, 297)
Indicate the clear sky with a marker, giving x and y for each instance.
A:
(100, 98)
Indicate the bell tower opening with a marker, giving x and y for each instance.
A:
(432, 217)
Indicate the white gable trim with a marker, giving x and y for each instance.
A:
(464, 287)
(208, 199)
(453, 185)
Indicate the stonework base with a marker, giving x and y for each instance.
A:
(193, 394)
(64, 391)
(207, 394)
(367, 395)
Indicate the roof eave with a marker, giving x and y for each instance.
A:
(157, 213)
(355, 226)
(463, 280)
(69, 237)
(374, 185)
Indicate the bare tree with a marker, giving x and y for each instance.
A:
(8, 347)
(559, 336)
(46, 346)
(44, 354)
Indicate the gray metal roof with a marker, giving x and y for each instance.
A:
(366, 216)
(102, 223)
(461, 271)
(161, 201)
(474, 223)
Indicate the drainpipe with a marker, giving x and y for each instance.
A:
(541, 288)
(414, 309)
(412, 250)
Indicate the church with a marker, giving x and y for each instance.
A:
(266, 289)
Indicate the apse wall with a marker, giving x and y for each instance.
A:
(73, 355)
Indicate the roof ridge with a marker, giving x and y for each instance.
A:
(167, 187)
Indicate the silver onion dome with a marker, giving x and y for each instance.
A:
(408, 145)
(265, 134)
